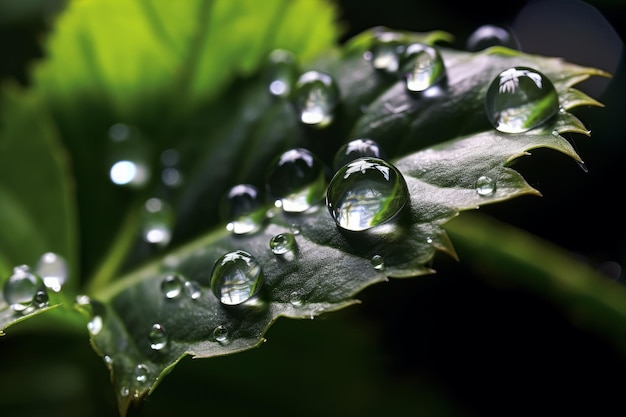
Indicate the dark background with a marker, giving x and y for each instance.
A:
(486, 349)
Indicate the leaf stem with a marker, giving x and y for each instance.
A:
(126, 236)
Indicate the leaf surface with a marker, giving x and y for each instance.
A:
(330, 266)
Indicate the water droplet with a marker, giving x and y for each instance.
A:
(385, 51)
(108, 360)
(295, 228)
(283, 243)
(378, 262)
(40, 299)
(486, 36)
(172, 285)
(422, 67)
(485, 185)
(95, 324)
(366, 193)
(520, 99)
(124, 391)
(141, 373)
(242, 207)
(354, 149)
(296, 180)
(220, 333)
(21, 289)
(157, 221)
(193, 290)
(281, 72)
(236, 277)
(295, 299)
(157, 337)
(170, 175)
(53, 269)
(129, 156)
(316, 96)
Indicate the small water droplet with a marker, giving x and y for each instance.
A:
(40, 299)
(520, 99)
(158, 337)
(283, 243)
(236, 277)
(385, 52)
(108, 360)
(354, 149)
(124, 391)
(423, 67)
(297, 180)
(281, 72)
(193, 290)
(172, 285)
(365, 193)
(295, 228)
(95, 324)
(316, 96)
(157, 221)
(21, 289)
(486, 36)
(295, 299)
(141, 373)
(485, 185)
(242, 207)
(220, 333)
(53, 269)
(129, 156)
(170, 175)
(429, 240)
(378, 262)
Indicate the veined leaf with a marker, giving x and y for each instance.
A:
(146, 331)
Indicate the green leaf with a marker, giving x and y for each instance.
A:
(330, 267)
(141, 61)
(37, 213)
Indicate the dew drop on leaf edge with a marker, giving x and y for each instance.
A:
(520, 99)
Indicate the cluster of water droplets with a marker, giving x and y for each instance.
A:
(418, 64)
(26, 289)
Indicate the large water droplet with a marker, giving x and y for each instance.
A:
(158, 337)
(520, 99)
(365, 193)
(385, 52)
(236, 277)
(485, 185)
(172, 285)
(241, 208)
(157, 221)
(21, 289)
(296, 180)
(423, 67)
(486, 36)
(316, 96)
(354, 149)
(281, 72)
(283, 243)
(53, 269)
(129, 156)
